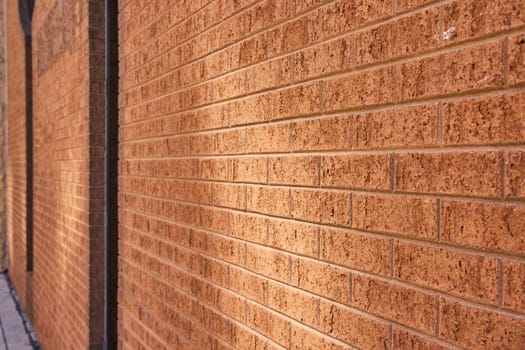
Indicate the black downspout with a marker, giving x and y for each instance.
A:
(111, 175)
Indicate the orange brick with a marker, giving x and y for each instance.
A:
(294, 171)
(356, 251)
(248, 170)
(231, 85)
(214, 220)
(356, 171)
(249, 285)
(469, 327)
(268, 262)
(231, 142)
(293, 303)
(269, 200)
(296, 101)
(268, 75)
(294, 237)
(390, 301)
(361, 89)
(460, 173)
(404, 5)
(490, 226)
(269, 324)
(404, 127)
(516, 60)
(404, 340)
(322, 279)
(303, 339)
(514, 170)
(463, 70)
(229, 195)
(253, 109)
(405, 36)
(471, 276)
(270, 138)
(353, 328)
(218, 246)
(249, 227)
(245, 337)
(513, 291)
(321, 134)
(213, 169)
(296, 34)
(495, 119)
(321, 206)
(323, 59)
(400, 215)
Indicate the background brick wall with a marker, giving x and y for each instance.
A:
(322, 174)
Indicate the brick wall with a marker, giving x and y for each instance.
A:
(322, 174)
(3, 142)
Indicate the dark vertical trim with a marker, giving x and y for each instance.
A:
(111, 175)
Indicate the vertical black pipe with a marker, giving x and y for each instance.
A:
(111, 175)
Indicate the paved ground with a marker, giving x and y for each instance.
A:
(13, 332)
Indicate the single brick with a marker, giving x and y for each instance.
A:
(303, 339)
(321, 134)
(356, 171)
(294, 171)
(268, 75)
(229, 86)
(213, 169)
(472, 68)
(491, 226)
(399, 215)
(241, 336)
(321, 279)
(321, 206)
(298, 33)
(253, 109)
(248, 169)
(218, 246)
(476, 328)
(229, 195)
(269, 200)
(471, 276)
(494, 119)
(516, 59)
(404, 305)
(514, 174)
(267, 262)
(269, 323)
(248, 227)
(249, 285)
(295, 102)
(294, 237)
(361, 89)
(459, 173)
(514, 286)
(214, 220)
(353, 328)
(404, 127)
(356, 251)
(406, 36)
(404, 340)
(293, 303)
(231, 141)
(268, 138)
(465, 19)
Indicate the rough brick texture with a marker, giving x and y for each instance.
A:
(358, 167)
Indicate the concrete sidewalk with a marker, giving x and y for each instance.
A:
(14, 335)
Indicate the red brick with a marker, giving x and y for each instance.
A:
(471, 276)
(249, 227)
(356, 171)
(269, 323)
(268, 138)
(249, 169)
(323, 59)
(296, 101)
(353, 328)
(399, 215)
(489, 226)
(296, 34)
(513, 291)
(516, 59)
(406, 36)
(321, 279)
(458, 71)
(476, 328)
(404, 340)
(229, 195)
(231, 142)
(343, 15)
(268, 262)
(267, 13)
(404, 305)
(356, 251)
(321, 206)
(294, 171)
(467, 19)
(404, 5)
(269, 200)
(321, 134)
(269, 75)
(514, 170)
(293, 303)
(303, 339)
(294, 237)
(489, 120)
(405, 127)
(253, 49)
(218, 246)
(361, 89)
(459, 173)
(249, 285)
(229, 86)
(253, 109)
